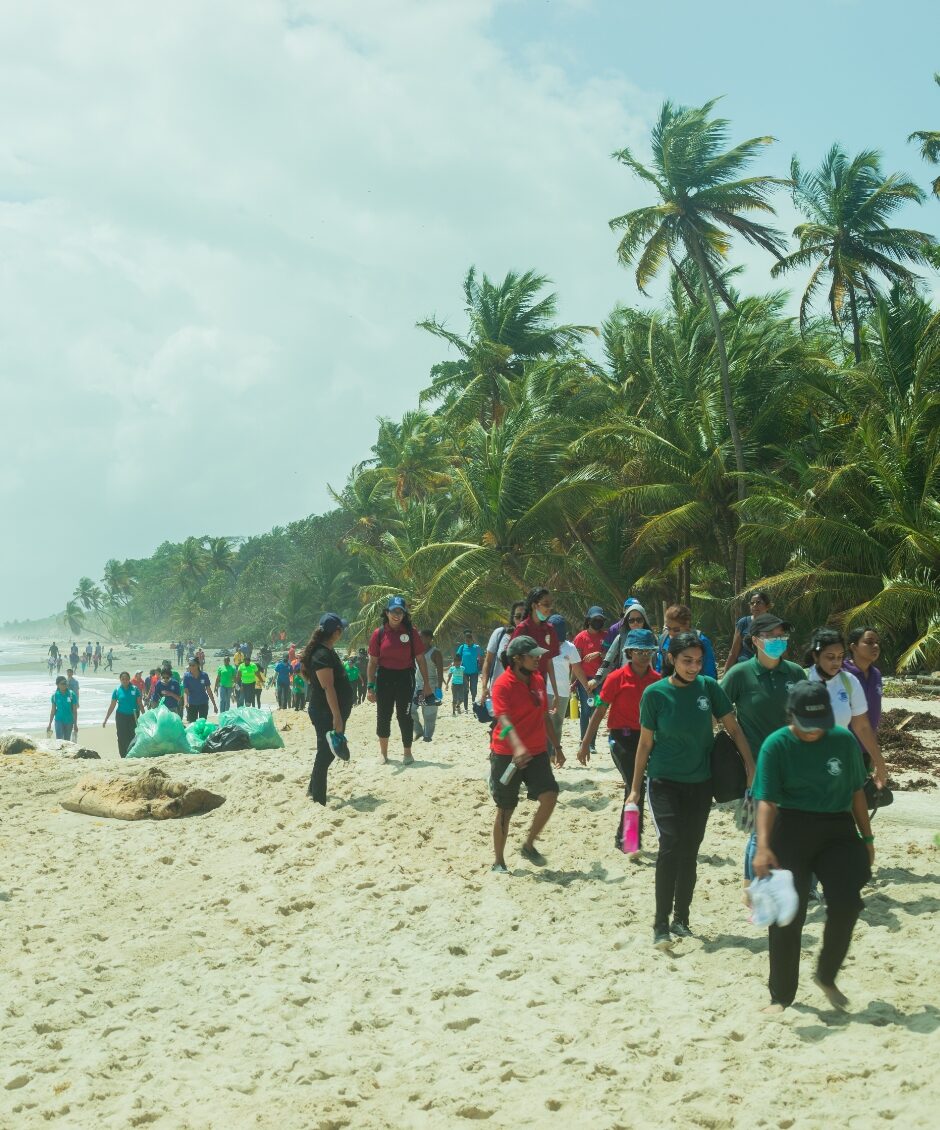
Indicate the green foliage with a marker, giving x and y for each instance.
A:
(720, 443)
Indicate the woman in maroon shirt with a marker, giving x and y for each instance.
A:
(538, 608)
(393, 651)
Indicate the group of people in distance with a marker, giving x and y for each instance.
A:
(806, 735)
(91, 657)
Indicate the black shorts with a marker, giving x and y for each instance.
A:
(537, 777)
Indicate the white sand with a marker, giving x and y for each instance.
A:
(275, 964)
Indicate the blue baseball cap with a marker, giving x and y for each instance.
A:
(629, 602)
(640, 639)
(560, 624)
(595, 612)
(397, 602)
(330, 622)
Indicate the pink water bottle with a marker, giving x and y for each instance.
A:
(630, 829)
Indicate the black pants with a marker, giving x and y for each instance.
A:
(200, 710)
(283, 696)
(126, 729)
(394, 691)
(680, 812)
(824, 844)
(322, 722)
(623, 753)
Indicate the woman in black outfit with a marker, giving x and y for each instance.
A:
(331, 698)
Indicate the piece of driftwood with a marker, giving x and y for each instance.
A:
(150, 795)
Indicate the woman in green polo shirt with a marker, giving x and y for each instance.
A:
(812, 818)
(676, 738)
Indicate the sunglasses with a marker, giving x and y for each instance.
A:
(635, 620)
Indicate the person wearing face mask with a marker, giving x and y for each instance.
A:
(493, 660)
(590, 644)
(759, 689)
(676, 740)
(812, 819)
(538, 608)
(849, 704)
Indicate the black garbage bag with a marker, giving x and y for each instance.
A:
(227, 738)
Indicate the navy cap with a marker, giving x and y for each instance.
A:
(330, 622)
(560, 624)
(810, 706)
(397, 602)
(640, 639)
(596, 611)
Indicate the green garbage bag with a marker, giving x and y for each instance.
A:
(257, 722)
(159, 732)
(197, 732)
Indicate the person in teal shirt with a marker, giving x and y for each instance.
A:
(64, 712)
(812, 819)
(676, 738)
(127, 700)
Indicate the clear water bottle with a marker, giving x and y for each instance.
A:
(630, 829)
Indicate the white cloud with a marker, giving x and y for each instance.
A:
(218, 226)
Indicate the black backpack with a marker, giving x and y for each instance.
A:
(729, 777)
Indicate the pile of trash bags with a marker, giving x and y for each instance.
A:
(162, 731)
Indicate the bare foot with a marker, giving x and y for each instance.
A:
(408, 759)
(838, 1000)
(773, 1010)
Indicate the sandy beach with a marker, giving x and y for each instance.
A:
(276, 964)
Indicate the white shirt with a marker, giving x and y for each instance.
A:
(497, 666)
(845, 693)
(567, 654)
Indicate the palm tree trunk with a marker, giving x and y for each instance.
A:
(856, 333)
(738, 580)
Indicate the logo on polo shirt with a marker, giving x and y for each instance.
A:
(789, 686)
(834, 765)
(404, 637)
(842, 696)
(704, 703)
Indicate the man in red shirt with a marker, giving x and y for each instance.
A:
(520, 738)
(621, 694)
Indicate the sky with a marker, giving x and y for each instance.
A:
(219, 223)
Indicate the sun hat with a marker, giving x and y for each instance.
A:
(810, 707)
(773, 900)
(524, 645)
(330, 622)
(640, 639)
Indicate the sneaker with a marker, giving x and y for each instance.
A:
(500, 869)
(680, 929)
(533, 855)
(662, 939)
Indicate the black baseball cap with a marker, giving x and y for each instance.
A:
(766, 622)
(810, 706)
(330, 622)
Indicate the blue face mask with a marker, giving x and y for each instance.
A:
(775, 648)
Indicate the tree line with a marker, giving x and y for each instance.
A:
(718, 445)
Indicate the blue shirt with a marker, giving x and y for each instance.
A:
(470, 657)
(197, 687)
(282, 670)
(162, 687)
(64, 704)
(127, 699)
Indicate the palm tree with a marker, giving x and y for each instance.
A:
(219, 555)
(411, 457)
(190, 563)
(74, 618)
(118, 582)
(703, 202)
(88, 595)
(847, 238)
(509, 325)
(930, 145)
